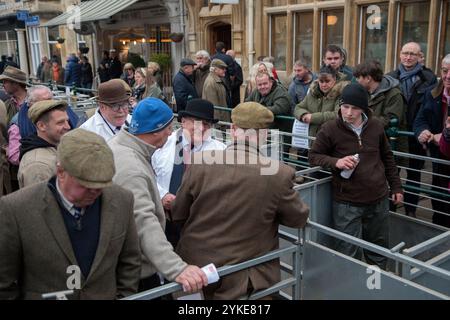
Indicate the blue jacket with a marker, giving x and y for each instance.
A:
(183, 89)
(430, 116)
(299, 88)
(27, 128)
(72, 75)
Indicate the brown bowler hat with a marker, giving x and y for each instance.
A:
(113, 91)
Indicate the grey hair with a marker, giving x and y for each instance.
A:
(32, 93)
(446, 59)
(300, 63)
(203, 53)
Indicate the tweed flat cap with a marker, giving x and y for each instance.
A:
(86, 157)
(113, 91)
(187, 62)
(217, 63)
(41, 107)
(14, 74)
(252, 115)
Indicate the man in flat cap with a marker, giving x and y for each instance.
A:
(133, 148)
(194, 135)
(73, 232)
(215, 90)
(113, 112)
(15, 84)
(38, 151)
(232, 203)
(183, 84)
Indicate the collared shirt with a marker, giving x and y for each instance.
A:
(69, 206)
(163, 159)
(358, 129)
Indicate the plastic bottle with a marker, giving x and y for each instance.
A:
(347, 173)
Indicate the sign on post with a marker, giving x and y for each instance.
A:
(22, 15)
(32, 21)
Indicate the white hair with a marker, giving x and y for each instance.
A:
(446, 59)
(35, 92)
(203, 53)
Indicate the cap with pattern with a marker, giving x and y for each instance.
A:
(252, 115)
(41, 107)
(85, 156)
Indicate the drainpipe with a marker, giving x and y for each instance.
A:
(183, 27)
(251, 48)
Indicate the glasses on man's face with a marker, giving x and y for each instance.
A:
(410, 54)
(116, 107)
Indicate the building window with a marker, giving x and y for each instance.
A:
(444, 46)
(53, 46)
(8, 44)
(35, 43)
(278, 39)
(414, 21)
(373, 32)
(332, 27)
(304, 37)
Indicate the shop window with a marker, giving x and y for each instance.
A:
(332, 27)
(304, 37)
(8, 44)
(414, 21)
(35, 43)
(373, 30)
(278, 40)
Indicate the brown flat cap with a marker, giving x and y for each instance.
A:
(86, 157)
(217, 63)
(252, 115)
(41, 107)
(114, 91)
(14, 74)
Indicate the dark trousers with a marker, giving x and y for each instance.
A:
(441, 203)
(369, 223)
(413, 176)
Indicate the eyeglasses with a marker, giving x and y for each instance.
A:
(121, 105)
(412, 54)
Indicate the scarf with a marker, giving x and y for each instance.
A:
(55, 74)
(407, 79)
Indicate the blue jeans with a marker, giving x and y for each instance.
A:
(369, 223)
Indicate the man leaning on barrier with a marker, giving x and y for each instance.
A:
(232, 208)
(75, 231)
(360, 201)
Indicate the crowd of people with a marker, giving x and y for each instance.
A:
(125, 199)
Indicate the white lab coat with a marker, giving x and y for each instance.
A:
(163, 159)
(97, 125)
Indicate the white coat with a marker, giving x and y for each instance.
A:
(98, 125)
(163, 159)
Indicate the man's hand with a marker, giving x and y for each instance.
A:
(346, 163)
(167, 201)
(437, 138)
(425, 136)
(306, 118)
(192, 278)
(397, 198)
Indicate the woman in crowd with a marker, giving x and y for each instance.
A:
(155, 70)
(128, 74)
(322, 101)
(139, 84)
(86, 73)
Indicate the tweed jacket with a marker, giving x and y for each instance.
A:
(232, 213)
(36, 252)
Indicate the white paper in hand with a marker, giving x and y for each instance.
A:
(211, 273)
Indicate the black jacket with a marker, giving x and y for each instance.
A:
(427, 80)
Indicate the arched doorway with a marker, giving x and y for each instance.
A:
(220, 32)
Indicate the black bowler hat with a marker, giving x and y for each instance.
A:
(199, 109)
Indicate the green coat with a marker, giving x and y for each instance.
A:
(279, 102)
(387, 102)
(322, 107)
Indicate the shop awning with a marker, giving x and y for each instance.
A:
(90, 11)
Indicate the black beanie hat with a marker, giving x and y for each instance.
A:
(356, 95)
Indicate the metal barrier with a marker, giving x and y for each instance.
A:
(311, 269)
